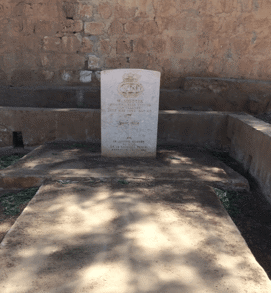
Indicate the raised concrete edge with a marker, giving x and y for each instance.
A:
(247, 138)
(39, 126)
(251, 146)
(14, 178)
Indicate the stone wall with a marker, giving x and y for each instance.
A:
(57, 43)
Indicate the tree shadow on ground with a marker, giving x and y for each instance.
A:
(106, 236)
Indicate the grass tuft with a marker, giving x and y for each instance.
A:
(123, 182)
(6, 161)
(11, 201)
(229, 200)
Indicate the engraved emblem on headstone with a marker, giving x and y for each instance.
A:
(130, 87)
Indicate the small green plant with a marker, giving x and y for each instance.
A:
(123, 182)
(6, 161)
(229, 200)
(11, 201)
(223, 197)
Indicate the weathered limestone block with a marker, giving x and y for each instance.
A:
(138, 61)
(105, 10)
(87, 45)
(116, 62)
(133, 27)
(115, 28)
(124, 46)
(85, 76)
(158, 45)
(141, 45)
(51, 43)
(46, 28)
(105, 46)
(94, 62)
(124, 12)
(65, 61)
(93, 28)
(70, 44)
(69, 9)
(72, 26)
(84, 11)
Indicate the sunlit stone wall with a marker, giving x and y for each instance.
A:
(68, 43)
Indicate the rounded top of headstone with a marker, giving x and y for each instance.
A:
(153, 72)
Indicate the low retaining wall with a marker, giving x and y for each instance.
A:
(193, 127)
(247, 138)
(191, 93)
(251, 146)
(43, 125)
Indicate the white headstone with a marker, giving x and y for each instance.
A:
(129, 117)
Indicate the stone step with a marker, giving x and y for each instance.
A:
(51, 161)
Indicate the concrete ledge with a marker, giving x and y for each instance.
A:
(189, 93)
(247, 138)
(64, 160)
(193, 127)
(44, 125)
(251, 146)
(18, 182)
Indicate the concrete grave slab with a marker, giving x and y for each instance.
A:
(129, 112)
(89, 235)
(101, 224)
